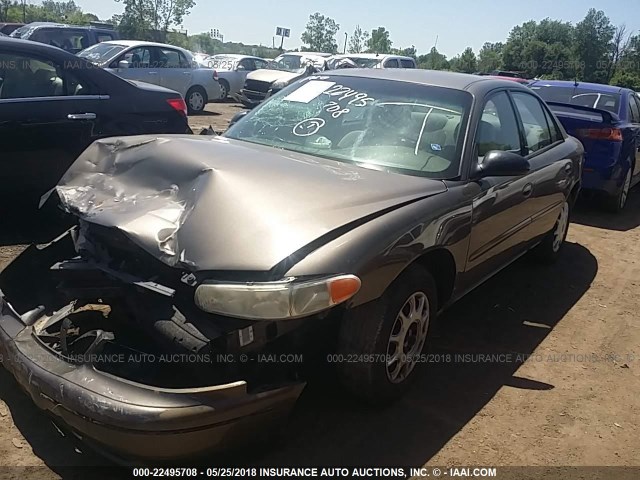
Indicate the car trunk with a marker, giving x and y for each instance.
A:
(590, 126)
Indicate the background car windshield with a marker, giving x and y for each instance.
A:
(579, 96)
(403, 127)
(365, 62)
(290, 63)
(101, 52)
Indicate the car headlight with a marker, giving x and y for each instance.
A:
(280, 300)
(278, 85)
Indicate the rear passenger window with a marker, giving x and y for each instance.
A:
(536, 129)
(556, 135)
(407, 64)
(392, 63)
(498, 128)
(28, 77)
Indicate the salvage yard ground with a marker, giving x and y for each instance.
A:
(539, 366)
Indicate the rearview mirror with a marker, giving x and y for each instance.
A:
(497, 163)
(123, 64)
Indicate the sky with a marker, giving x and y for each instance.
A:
(457, 24)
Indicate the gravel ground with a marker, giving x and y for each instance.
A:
(564, 391)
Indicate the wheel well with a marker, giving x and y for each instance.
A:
(442, 267)
(573, 195)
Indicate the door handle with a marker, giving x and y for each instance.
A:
(82, 116)
(186, 73)
(527, 189)
(152, 73)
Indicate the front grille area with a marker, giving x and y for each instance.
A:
(257, 86)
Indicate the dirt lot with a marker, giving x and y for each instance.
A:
(563, 392)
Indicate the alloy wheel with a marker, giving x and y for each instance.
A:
(407, 337)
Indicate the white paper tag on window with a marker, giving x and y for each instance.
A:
(309, 91)
(245, 336)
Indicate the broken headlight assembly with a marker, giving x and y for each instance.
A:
(287, 299)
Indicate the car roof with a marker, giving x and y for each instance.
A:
(140, 43)
(234, 55)
(65, 25)
(381, 56)
(438, 78)
(300, 54)
(572, 84)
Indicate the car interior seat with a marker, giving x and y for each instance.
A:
(136, 60)
(487, 138)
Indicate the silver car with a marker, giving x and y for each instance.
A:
(233, 69)
(166, 65)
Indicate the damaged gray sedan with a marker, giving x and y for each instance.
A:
(339, 216)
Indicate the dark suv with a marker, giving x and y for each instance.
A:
(71, 38)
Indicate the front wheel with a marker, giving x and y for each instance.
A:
(617, 202)
(224, 86)
(380, 344)
(196, 99)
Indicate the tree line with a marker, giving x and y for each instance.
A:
(592, 50)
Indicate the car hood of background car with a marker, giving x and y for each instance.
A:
(211, 203)
(266, 75)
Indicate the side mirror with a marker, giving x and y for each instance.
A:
(237, 117)
(123, 64)
(497, 163)
(240, 68)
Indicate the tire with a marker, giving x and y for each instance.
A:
(224, 85)
(548, 251)
(617, 202)
(196, 99)
(367, 332)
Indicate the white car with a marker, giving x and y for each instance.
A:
(166, 65)
(233, 69)
(373, 60)
(283, 71)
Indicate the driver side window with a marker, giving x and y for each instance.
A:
(498, 128)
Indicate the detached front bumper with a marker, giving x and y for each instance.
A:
(131, 420)
(250, 98)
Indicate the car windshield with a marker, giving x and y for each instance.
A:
(579, 96)
(222, 62)
(289, 63)
(23, 31)
(365, 62)
(408, 128)
(101, 52)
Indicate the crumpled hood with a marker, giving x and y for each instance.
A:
(211, 203)
(266, 75)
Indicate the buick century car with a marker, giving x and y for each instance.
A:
(344, 213)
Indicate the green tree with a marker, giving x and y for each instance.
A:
(358, 41)
(465, 62)
(379, 42)
(490, 57)
(433, 60)
(592, 45)
(406, 52)
(320, 34)
(152, 19)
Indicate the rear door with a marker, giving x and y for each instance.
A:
(551, 173)
(47, 118)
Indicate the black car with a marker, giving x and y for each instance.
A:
(7, 28)
(344, 214)
(72, 38)
(53, 105)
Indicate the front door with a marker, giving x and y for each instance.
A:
(47, 118)
(499, 214)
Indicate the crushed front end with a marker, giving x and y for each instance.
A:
(127, 362)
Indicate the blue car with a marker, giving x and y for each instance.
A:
(606, 119)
